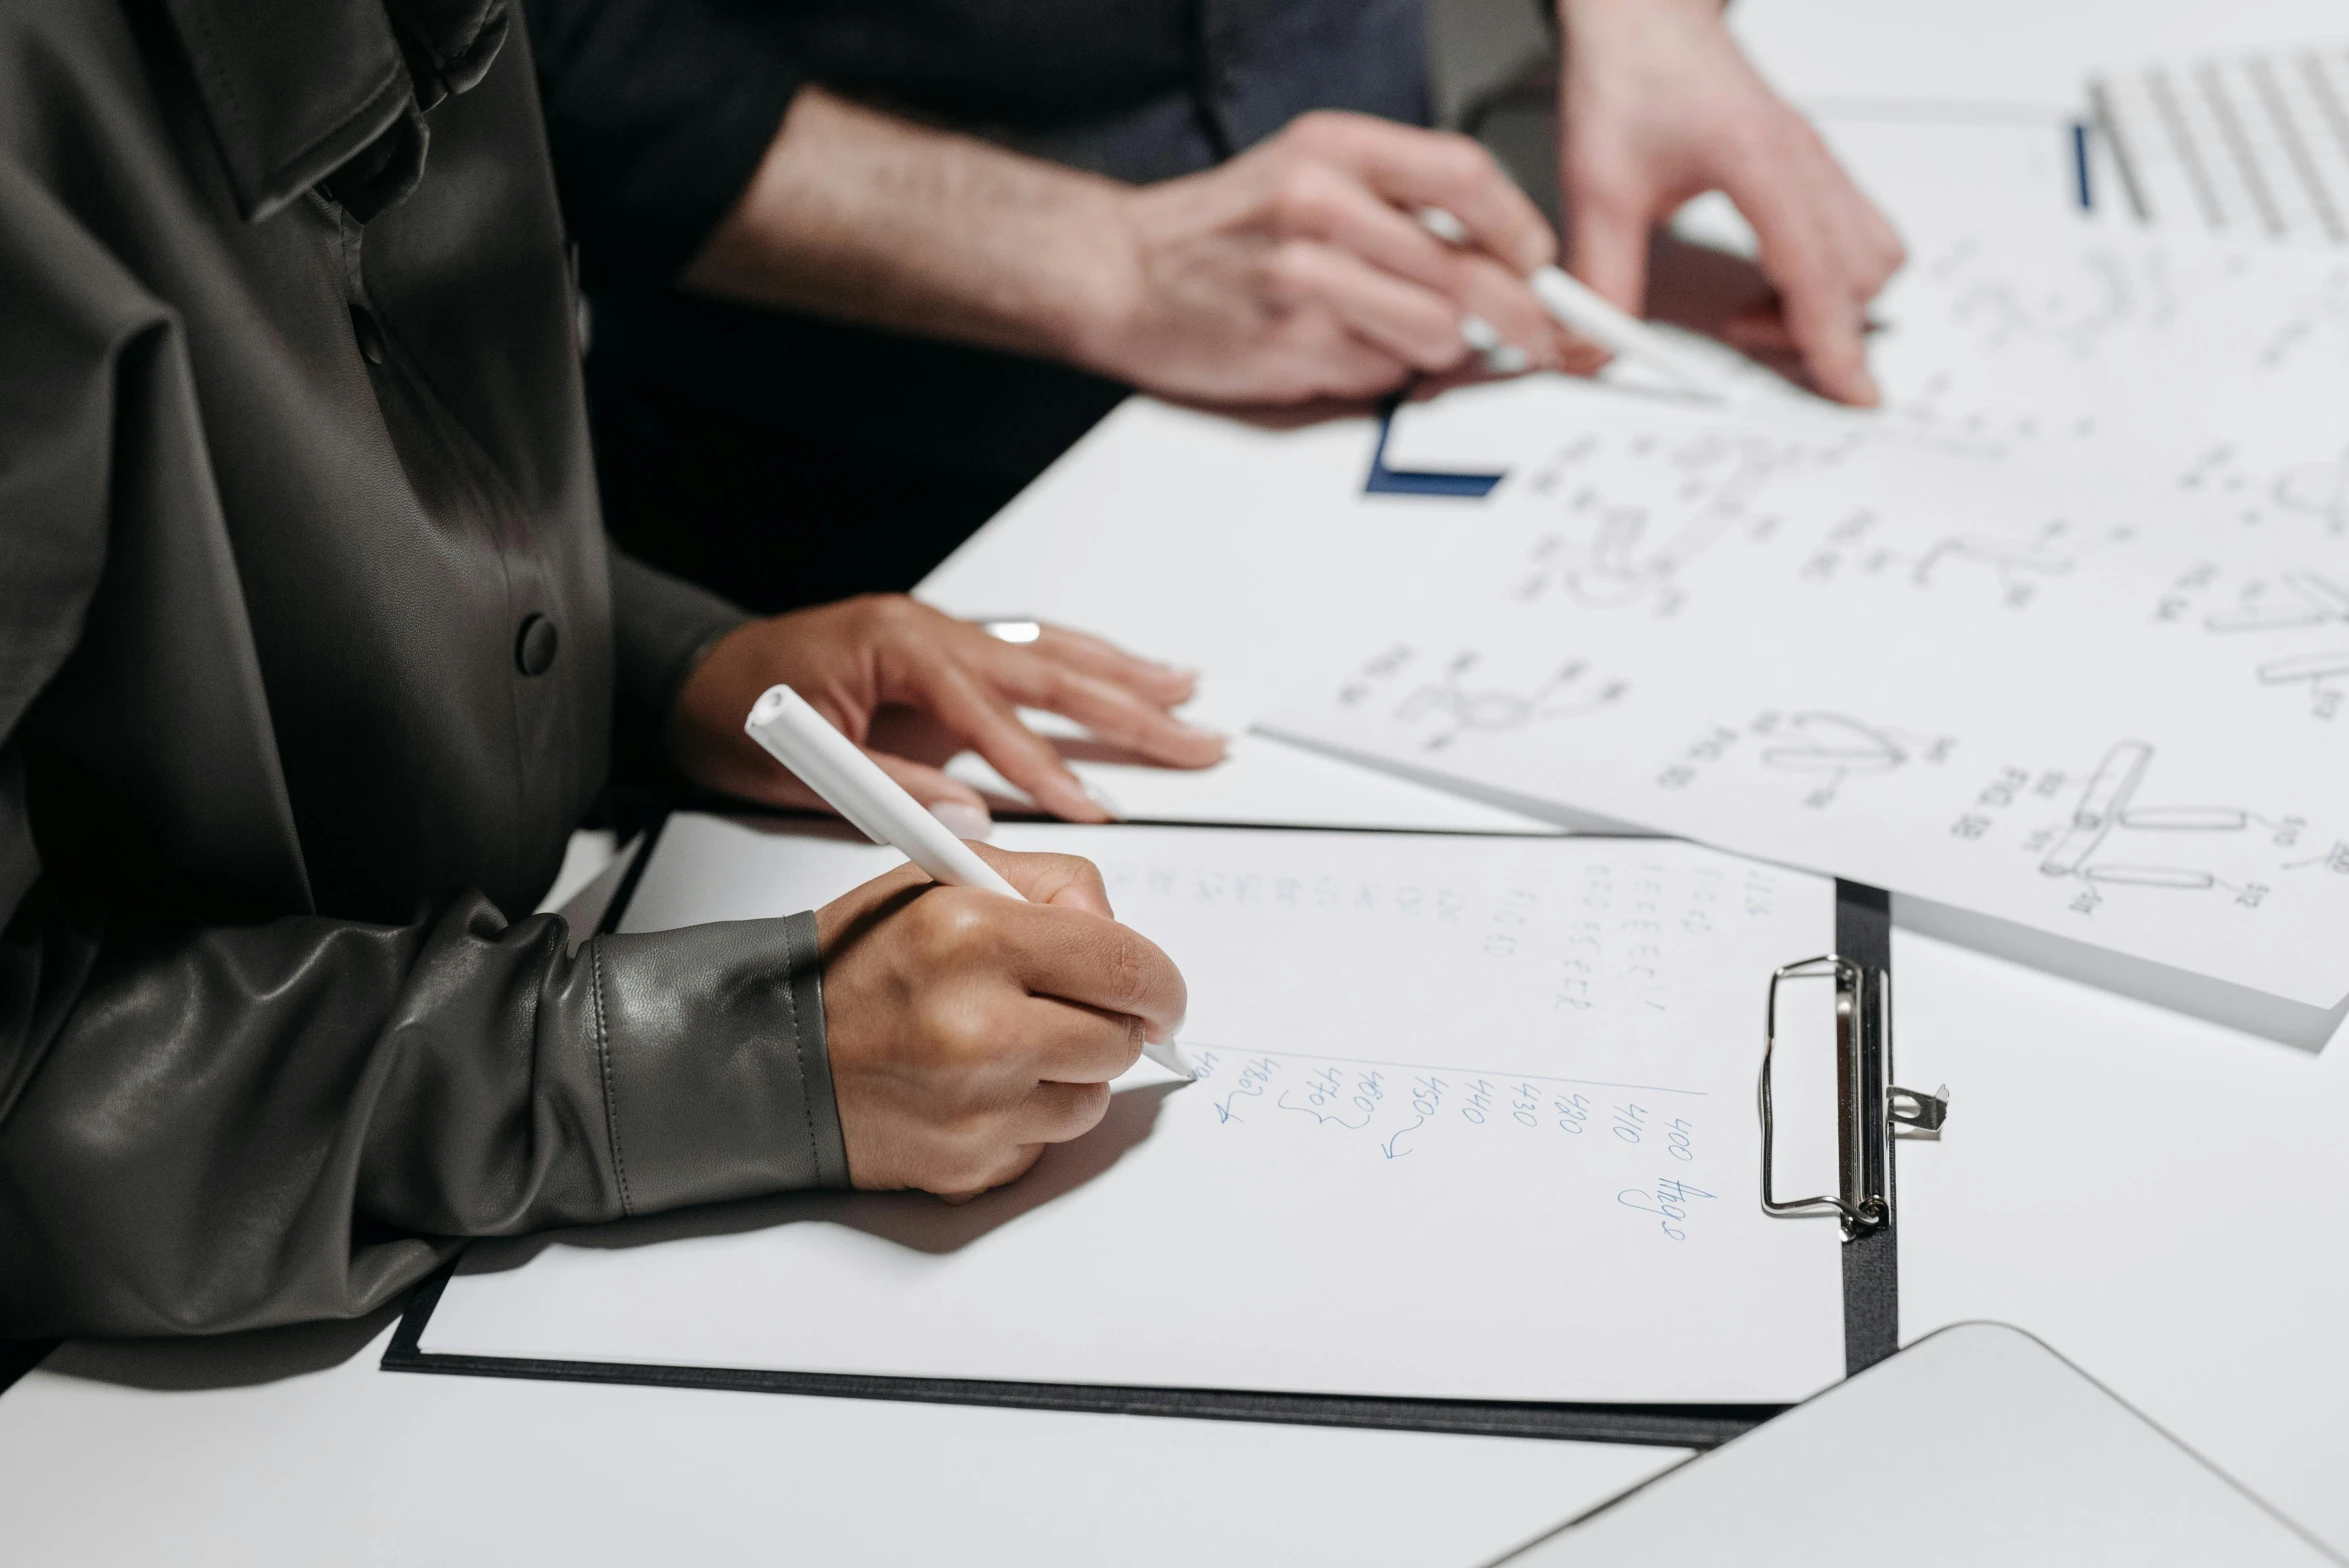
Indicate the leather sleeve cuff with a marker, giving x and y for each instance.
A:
(710, 1040)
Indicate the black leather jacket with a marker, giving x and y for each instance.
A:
(311, 655)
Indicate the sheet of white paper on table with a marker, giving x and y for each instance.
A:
(2061, 640)
(1234, 550)
(1932, 169)
(1475, 1120)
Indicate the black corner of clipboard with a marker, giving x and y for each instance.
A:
(1871, 1259)
(618, 907)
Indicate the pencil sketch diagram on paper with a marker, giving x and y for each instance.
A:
(2077, 303)
(2319, 490)
(1968, 415)
(2309, 599)
(1639, 510)
(2317, 671)
(2006, 349)
(2076, 315)
(2316, 492)
(1458, 704)
(1834, 748)
(2014, 562)
(2299, 600)
(2115, 839)
(2311, 317)
(1442, 704)
(2018, 566)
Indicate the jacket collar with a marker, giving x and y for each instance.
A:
(297, 90)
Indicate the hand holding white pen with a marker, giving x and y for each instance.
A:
(832, 765)
(1582, 312)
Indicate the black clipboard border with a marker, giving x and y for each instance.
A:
(1871, 1260)
(1672, 1426)
(1863, 932)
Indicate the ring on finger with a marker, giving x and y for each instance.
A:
(1011, 628)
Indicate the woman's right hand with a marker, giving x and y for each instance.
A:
(967, 1031)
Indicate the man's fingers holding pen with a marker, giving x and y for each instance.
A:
(1411, 168)
(1333, 206)
(1295, 271)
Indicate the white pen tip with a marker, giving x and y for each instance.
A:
(1170, 1056)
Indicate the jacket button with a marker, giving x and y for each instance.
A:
(370, 335)
(534, 645)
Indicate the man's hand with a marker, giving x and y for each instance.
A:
(1297, 271)
(1294, 272)
(852, 659)
(1657, 104)
(967, 1031)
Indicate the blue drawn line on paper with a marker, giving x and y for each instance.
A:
(1436, 1067)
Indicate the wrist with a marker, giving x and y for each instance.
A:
(1105, 297)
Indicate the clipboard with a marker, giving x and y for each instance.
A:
(1869, 1111)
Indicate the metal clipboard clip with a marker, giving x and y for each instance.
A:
(1871, 1108)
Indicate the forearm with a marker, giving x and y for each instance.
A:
(863, 216)
(205, 1129)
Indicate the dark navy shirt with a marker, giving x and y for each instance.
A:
(660, 110)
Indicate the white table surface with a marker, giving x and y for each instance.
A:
(2003, 51)
(2160, 1199)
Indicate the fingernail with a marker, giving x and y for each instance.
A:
(1507, 360)
(1199, 731)
(963, 819)
(1443, 225)
(1481, 335)
(1100, 797)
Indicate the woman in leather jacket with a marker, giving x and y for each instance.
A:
(315, 655)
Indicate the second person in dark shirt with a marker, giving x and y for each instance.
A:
(890, 258)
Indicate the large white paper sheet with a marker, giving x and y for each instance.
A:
(1475, 1120)
(2060, 639)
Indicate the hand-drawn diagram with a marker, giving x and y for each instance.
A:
(2108, 805)
(2078, 302)
(1568, 692)
(2310, 600)
(1837, 747)
(2020, 564)
(1664, 503)
(2013, 561)
(1457, 702)
(2318, 491)
(1942, 411)
(2317, 671)
(2077, 316)
(2313, 316)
